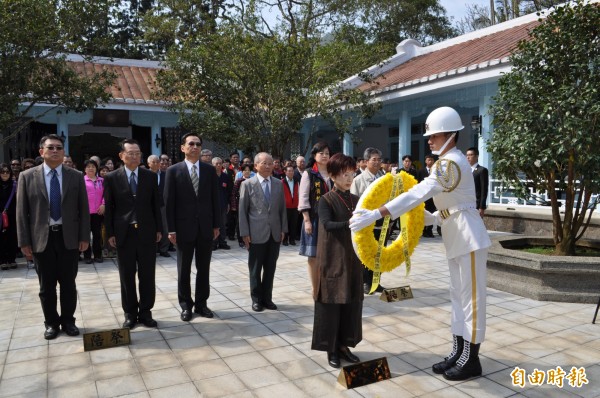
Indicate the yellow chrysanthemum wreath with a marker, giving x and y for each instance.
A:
(365, 245)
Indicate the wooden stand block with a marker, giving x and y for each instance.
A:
(364, 373)
(106, 339)
(396, 294)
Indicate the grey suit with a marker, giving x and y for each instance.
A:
(56, 250)
(257, 219)
(33, 205)
(264, 223)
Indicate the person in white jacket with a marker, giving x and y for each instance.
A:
(465, 238)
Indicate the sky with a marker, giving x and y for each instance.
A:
(458, 8)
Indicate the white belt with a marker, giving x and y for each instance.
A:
(445, 214)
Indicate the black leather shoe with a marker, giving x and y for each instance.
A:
(186, 315)
(204, 311)
(333, 359)
(70, 329)
(165, 254)
(284, 243)
(348, 356)
(89, 261)
(149, 322)
(129, 323)
(224, 246)
(270, 305)
(51, 332)
(470, 369)
(99, 260)
(292, 243)
(367, 288)
(257, 307)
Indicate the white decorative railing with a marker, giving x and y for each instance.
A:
(504, 195)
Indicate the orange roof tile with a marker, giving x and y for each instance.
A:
(133, 83)
(479, 51)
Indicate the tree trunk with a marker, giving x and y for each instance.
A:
(566, 247)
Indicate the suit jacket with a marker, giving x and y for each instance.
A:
(481, 177)
(121, 204)
(257, 219)
(190, 215)
(161, 186)
(33, 208)
(291, 198)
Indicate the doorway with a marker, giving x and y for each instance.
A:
(83, 146)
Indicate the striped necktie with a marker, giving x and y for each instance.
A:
(195, 180)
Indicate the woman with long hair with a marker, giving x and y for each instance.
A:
(315, 183)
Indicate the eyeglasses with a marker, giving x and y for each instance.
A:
(194, 143)
(133, 154)
(4, 171)
(52, 148)
(376, 160)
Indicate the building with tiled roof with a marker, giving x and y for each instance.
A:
(461, 72)
(133, 112)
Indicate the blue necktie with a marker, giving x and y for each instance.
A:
(133, 184)
(267, 191)
(55, 205)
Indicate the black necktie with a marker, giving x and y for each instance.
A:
(55, 197)
(133, 184)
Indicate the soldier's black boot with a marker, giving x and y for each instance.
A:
(450, 360)
(468, 364)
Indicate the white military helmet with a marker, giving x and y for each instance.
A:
(442, 120)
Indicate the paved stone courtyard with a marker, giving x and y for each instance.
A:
(240, 353)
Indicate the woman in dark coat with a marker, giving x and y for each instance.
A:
(8, 235)
(339, 289)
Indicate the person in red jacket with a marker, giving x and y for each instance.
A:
(290, 191)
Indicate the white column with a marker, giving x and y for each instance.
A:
(486, 124)
(348, 145)
(404, 143)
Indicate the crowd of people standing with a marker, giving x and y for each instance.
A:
(195, 206)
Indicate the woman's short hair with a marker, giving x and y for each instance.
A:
(340, 163)
(92, 162)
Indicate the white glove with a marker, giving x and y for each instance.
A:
(363, 218)
(437, 218)
(428, 218)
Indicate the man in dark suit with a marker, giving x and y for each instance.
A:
(133, 226)
(482, 180)
(154, 166)
(192, 204)
(53, 225)
(263, 224)
(429, 205)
